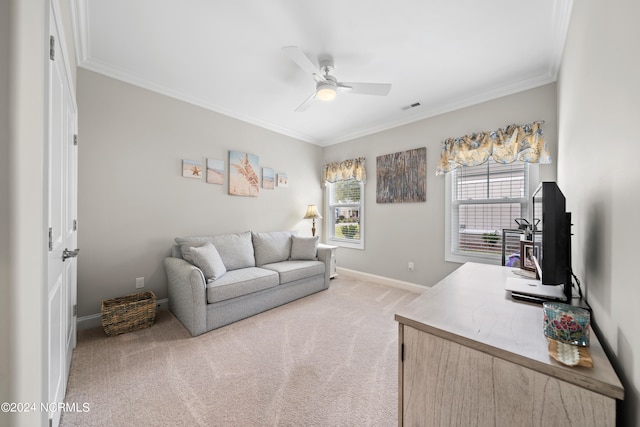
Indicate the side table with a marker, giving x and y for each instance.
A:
(332, 268)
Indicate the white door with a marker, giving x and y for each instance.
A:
(62, 195)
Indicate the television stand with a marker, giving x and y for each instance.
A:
(471, 355)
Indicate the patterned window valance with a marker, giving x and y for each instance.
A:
(506, 145)
(342, 171)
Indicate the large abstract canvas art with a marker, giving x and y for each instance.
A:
(402, 177)
(243, 174)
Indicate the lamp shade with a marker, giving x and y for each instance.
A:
(312, 212)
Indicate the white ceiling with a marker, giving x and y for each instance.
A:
(227, 55)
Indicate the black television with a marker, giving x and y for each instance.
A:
(552, 236)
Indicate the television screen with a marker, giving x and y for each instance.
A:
(552, 235)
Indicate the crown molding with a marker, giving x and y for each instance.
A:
(80, 25)
(109, 71)
(84, 60)
(466, 101)
(456, 104)
(562, 15)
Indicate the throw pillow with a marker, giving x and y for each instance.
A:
(186, 243)
(207, 259)
(236, 250)
(304, 248)
(271, 247)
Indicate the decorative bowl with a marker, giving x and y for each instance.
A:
(565, 323)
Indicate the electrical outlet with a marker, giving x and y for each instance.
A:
(139, 282)
(410, 266)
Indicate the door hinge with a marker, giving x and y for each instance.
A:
(75, 309)
(75, 225)
(50, 238)
(52, 48)
(75, 139)
(402, 352)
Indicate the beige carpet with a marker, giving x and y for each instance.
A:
(329, 359)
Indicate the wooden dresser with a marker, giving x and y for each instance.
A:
(470, 355)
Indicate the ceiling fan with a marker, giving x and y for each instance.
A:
(327, 85)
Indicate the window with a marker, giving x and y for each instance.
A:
(481, 201)
(345, 213)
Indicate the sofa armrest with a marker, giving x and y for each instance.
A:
(324, 255)
(187, 294)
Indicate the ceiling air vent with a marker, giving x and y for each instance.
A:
(408, 107)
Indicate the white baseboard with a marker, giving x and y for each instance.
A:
(95, 320)
(407, 286)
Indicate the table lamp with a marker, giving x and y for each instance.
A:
(312, 212)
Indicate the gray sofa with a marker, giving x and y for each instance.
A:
(217, 280)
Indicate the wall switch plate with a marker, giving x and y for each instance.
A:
(410, 266)
(139, 282)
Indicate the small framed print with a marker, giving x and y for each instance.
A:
(191, 169)
(528, 251)
(283, 180)
(215, 171)
(268, 178)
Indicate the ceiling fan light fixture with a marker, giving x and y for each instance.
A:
(326, 92)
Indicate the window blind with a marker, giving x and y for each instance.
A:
(345, 209)
(486, 199)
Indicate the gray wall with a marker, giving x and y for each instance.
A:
(599, 107)
(398, 233)
(5, 211)
(23, 313)
(133, 200)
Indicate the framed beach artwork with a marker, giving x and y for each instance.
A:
(191, 169)
(283, 180)
(268, 178)
(215, 171)
(243, 174)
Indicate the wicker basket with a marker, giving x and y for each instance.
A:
(128, 313)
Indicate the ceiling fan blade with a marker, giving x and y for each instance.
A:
(380, 89)
(303, 61)
(306, 104)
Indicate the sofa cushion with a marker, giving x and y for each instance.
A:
(271, 247)
(304, 248)
(236, 250)
(207, 259)
(290, 271)
(240, 282)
